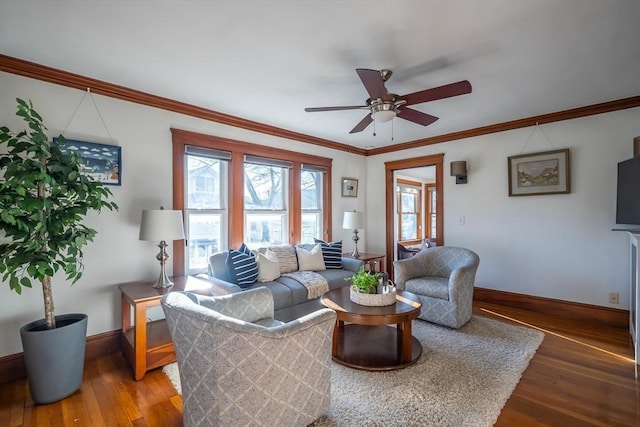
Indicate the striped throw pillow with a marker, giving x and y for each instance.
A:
(242, 266)
(332, 254)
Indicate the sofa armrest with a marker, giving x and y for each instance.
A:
(226, 287)
(352, 264)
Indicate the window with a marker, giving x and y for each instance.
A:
(409, 212)
(432, 213)
(266, 214)
(205, 205)
(311, 193)
(233, 192)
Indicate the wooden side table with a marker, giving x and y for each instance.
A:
(148, 345)
(372, 262)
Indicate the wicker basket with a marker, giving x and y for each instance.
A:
(373, 300)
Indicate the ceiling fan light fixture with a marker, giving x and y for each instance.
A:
(383, 112)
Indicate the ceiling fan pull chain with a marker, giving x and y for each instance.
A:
(374, 125)
(392, 129)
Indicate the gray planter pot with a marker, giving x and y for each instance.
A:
(54, 358)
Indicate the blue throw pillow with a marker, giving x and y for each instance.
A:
(242, 266)
(332, 254)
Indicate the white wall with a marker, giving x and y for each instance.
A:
(117, 255)
(555, 246)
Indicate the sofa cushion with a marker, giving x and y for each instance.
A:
(268, 266)
(310, 260)
(332, 254)
(242, 266)
(286, 257)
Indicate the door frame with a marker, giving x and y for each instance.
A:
(436, 160)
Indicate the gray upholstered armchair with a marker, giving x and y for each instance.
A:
(238, 366)
(442, 277)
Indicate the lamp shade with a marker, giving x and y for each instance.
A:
(459, 168)
(353, 220)
(161, 224)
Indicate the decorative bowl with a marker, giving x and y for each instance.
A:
(374, 300)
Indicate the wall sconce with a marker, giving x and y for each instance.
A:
(459, 170)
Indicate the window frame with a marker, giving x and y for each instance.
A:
(238, 149)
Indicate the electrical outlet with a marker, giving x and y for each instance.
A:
(614, 298)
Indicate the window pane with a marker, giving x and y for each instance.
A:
(311, 183)
(409, 227)
(264, 229)
(264, 187)
(408, 202)
(311, 227)
(203, 237)
(203, 183)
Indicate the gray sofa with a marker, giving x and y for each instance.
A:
(289, 295)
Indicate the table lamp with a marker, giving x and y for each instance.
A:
(353, 221)
(161, 225)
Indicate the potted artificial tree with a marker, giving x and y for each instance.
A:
(43, 201)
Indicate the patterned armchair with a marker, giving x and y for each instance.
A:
(238, 366)
(442, 278)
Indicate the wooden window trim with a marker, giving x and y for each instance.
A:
(181, 138)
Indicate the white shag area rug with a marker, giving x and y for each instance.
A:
(463, 378)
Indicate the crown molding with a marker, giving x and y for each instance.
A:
(64, 78)
(574, 113)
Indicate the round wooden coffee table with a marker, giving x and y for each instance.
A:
(368, 341)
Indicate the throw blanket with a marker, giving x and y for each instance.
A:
(316, 284)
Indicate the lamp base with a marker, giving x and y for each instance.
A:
(355, 239)
(163, 281)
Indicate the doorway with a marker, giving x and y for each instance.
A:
(436, 161)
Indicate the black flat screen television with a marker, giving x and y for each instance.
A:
(628, 200)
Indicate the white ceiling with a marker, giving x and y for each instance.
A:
(267, 60)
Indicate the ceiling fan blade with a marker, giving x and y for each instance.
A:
(373, 82)
(346, 107)
(446, 91)
(363, 124)
(416, 116)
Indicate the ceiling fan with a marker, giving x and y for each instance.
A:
(385, 106)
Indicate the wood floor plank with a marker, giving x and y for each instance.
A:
(582, 375)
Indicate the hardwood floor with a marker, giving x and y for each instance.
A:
(582, 375)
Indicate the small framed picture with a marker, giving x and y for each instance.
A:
(349, 187)
(539, 173)
(100, 161)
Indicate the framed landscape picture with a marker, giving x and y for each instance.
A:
(349, 187)
(539, 173)
(102, 162)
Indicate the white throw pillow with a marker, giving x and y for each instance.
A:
(286, 257)
(268, 266)
(310, 260)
